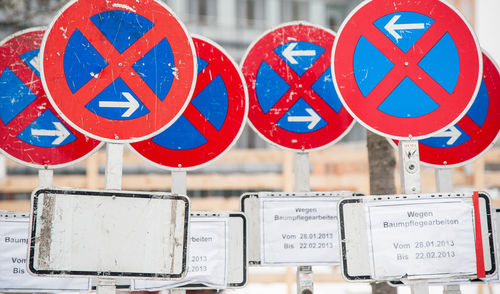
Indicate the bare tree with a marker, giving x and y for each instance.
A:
(382, 162)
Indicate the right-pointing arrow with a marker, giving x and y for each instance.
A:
(60, 132)
(453, 133)
(313, 118)
(131, 104)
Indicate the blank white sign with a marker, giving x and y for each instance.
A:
(108, 233)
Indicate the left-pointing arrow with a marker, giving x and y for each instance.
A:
(289, 53)
(391, 27)
(60, 132)
(131, 104)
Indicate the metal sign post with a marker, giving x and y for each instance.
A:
(113, 181)
(409, 160)
(178, 187)
(409, 167)
(301, 169)
(179, 182)
(45, 178)
(444, 183)
(443, 178)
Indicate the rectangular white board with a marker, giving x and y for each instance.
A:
(288, 229)
(14, 231)
(424, 236)
(108, 233)
(217, 254)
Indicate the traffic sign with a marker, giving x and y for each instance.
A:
(119, 71)
(31, 131)
(211, 123)
(406, 69)
(293, 103)
(475, 133)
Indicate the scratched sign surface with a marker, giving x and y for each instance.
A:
(406, 69)
(472, 135)
(211, 123)
(293, 103)
(31, 132)
(120, 70)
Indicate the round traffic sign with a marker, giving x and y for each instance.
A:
(211, 123)
(119, 71)
(293, 103)
(406, 69)
(472, 135)
(31, 132)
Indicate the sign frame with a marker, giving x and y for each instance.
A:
(250, 205)
(235, 281)
(357, 243)
(34, 251)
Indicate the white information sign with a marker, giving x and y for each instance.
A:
(14, 277)
(108, 233)
(207, 256)
(421, 238)
(299, 231)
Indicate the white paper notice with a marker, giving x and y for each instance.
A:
(13, 274)
(424, 238)
(207, 256)
(299, 231)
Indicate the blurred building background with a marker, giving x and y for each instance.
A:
(253, 165)
(234, 24)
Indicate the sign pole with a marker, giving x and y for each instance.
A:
(444, 183)
(45, 178)
(178, 187)
(409, 159)
(443, 178)
(113, 181)
(179, 182)
(114, 166)
(301, 169)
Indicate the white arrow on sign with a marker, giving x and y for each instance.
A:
(391, 27)
(290, 54)
(60, 132)
(453, 133)
(313, 118)
(35, 62)
(131, 104)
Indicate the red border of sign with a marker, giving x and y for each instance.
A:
(406, 128)
(219, 141)
(24, 153)
(265, 124)
(484, 138)
(162, 114)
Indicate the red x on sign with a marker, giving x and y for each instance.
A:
(293, 103)
(211, 123)
(119, 70)
(406, 69)
(31, 132)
